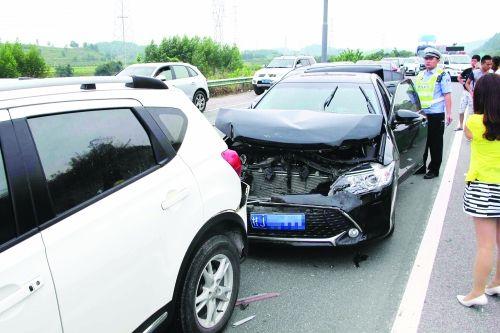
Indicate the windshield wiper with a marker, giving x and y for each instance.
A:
(369, 104)
(330, 98)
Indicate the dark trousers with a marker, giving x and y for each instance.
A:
(434, 143)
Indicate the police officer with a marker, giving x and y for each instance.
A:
(434, 89)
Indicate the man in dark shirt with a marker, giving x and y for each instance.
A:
(466, 101)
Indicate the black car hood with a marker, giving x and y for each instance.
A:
(297, 127)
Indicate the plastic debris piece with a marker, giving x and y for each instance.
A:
(256, 298)
(241, 322)
(244, 306)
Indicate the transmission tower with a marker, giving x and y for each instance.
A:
(122, 17)
(218, 17)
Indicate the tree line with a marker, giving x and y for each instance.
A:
(210, 57)
(355, 55)
(16, 62)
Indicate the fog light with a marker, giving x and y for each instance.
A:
(353, 233)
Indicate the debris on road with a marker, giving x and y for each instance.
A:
(243, 306)
(241, 322)
(256, 298)
(359, 258)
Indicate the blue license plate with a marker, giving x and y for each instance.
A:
(278, 221)
(266, 81)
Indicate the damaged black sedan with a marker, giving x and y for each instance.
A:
(323, 154)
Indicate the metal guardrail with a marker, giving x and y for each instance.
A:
(228, 82)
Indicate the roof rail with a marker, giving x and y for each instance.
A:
(85, 83)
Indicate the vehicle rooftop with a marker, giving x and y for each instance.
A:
(327, 77)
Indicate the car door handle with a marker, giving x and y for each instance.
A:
(174, 197)
(19, 295)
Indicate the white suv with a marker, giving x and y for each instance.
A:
(121, 209)
(277, 69)
(186, 77)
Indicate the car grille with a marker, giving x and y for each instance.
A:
(320, 222)
(262, 188)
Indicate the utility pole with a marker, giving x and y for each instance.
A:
(122, 17)
(324, 49)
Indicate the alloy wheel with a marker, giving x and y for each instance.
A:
(214, 289)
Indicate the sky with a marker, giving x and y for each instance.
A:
(251, 24)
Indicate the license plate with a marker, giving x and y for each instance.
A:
(266, 81)
(278, 221)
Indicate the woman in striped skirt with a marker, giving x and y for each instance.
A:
(482, 192)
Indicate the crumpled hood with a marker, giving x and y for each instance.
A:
(297, 127)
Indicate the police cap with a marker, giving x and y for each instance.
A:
(432, 52)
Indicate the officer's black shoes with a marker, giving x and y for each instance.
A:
(420, 171)
(430, 175)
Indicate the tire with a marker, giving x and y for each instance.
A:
(214, 252)
(200, 100)
(258, 90)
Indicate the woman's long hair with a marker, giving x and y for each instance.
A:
(487, 103)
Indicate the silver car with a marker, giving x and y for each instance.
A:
(184, 76)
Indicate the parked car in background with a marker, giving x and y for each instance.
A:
(412, 66)
(186, 77)
(276, 69)
(384, 70)
(455, 64)
(323, 153)
(399, 61)
(121, 209)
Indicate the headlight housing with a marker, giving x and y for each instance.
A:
(374, 178)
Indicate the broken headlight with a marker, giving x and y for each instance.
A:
(364, 181)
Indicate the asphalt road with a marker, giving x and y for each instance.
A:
(321, 289)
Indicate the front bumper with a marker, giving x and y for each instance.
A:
(264, 82)
(329, 225)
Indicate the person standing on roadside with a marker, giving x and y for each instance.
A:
(466, 101)
(482, 192)
(496, 64)
(485, 68)
(433, 86)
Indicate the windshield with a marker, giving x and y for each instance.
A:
(459, 59)
(281, 63)
(137, 70)
(342, 98)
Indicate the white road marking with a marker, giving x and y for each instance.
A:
(230, 106)
(410, 309)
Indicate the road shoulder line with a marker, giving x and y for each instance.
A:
(411, 306)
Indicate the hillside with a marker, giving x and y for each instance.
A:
(491, 47)
(90, 54)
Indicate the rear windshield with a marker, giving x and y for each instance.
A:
(342, 98)
(137, 70)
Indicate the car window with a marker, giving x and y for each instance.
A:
(406, 98)
(137, 70)
(165, 74)
(84, 154)
(173, 123)
(343, 98)
(181, 72)
(192, 72)
(7, 224)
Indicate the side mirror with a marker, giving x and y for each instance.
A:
(405, 116)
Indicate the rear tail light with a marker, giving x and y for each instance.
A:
(233, 159)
